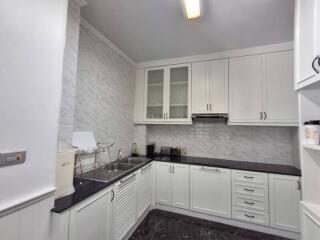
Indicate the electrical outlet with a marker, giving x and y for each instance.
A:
(12, 158)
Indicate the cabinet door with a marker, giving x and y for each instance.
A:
(307, 38)
(163, 183)
(200, 87)
(179, 92)
(124, 206)
(139, 113)
(280, 101)
(245, 79)
(144, 189)
(219, 86)
(155, 85)
(92, 218)
(284, 202)
(210, 191)
(180, 186)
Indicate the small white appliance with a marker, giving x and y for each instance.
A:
(65, 171)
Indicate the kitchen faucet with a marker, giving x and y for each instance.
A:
(119, 156)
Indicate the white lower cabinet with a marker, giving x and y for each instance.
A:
(91, 219)
(172, 184)
(124, 206)
(144, 189)
(284, 202)
(210, 190)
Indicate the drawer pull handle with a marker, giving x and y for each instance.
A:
(248, 190)
(249, 203)
(248, 177)
(211, 169)
(122, 181)
(249, 216)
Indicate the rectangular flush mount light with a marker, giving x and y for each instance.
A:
(192, 8)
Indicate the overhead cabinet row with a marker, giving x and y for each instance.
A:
(252, 90)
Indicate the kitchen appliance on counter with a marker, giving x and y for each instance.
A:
(150, 150)
(64, 173)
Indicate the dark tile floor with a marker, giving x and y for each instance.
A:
(171, 226)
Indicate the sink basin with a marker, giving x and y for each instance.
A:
(121, 166)
(134, 160)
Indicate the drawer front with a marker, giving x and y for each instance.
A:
(249, 190)
(242, 202)
(250, 177)
(249, 216)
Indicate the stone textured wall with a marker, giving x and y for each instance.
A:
(105, 93)
(243, 143)
(69, 77)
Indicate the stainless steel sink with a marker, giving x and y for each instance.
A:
(116, 169)
(120, 166)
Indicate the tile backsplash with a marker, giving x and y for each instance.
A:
(244, 143)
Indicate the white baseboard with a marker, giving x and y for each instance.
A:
(232, 222)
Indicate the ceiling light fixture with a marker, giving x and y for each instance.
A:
(192, 8)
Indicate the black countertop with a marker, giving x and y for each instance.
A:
(84, 188)
(231, 164)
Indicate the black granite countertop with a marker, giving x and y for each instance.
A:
(231, 164)
(84, 188)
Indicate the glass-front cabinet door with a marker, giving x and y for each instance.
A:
(155, 93)
(180, 92)
(168, 91)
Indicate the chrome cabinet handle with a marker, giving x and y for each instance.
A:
(299, 185)
(248, 177)
(173, 169)
(317, 58)
(128, 178)
(146, 167)
(248, 190)
(210, 169)
(210, 106)
(265, 115)
(249, 216)
(260, 115)
(170, 169)
(112, 195)
(249, 203)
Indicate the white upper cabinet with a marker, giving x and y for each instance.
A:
(139, 97)
(280, 101)
(284, 202)
(307, 42)
(262, 90)
(155, 90)
(245, 89)
(168, 94)
(210, 87)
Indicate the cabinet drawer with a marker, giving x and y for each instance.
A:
(254, 204)
(249, 216)
(249, 190)
(250, 177)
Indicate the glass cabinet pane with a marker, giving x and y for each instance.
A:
(179, 92)
(155, 88)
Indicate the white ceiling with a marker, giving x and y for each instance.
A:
(155, 29)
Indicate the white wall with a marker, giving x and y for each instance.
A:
(105, 92)
(69, 76)
(32, 40)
